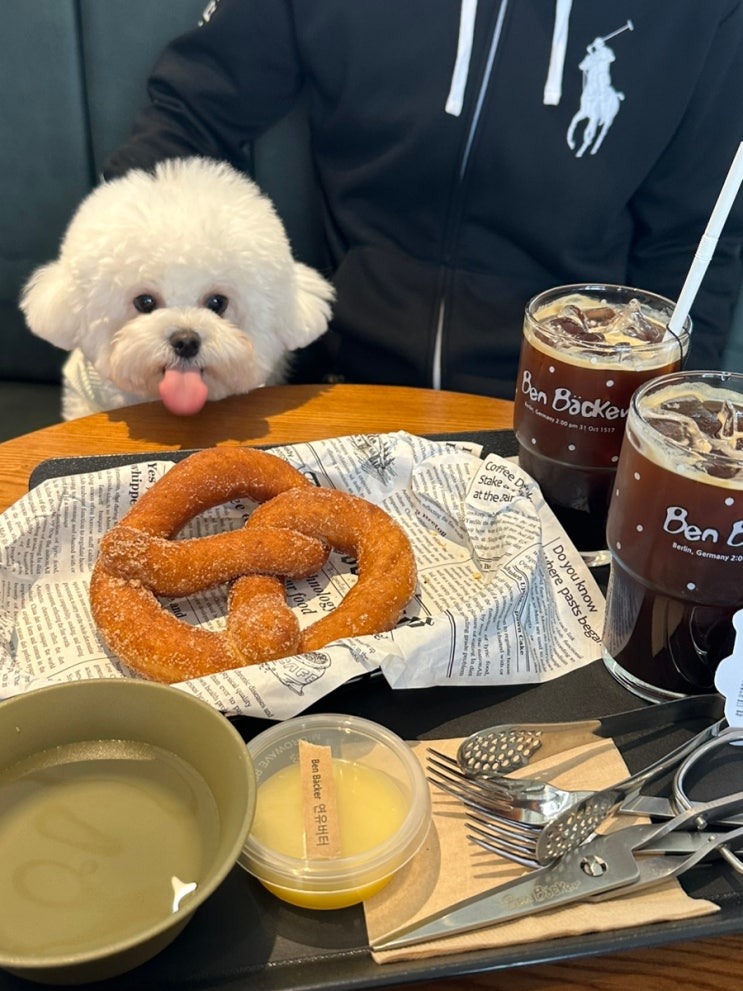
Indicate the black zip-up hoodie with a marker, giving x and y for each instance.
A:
(472, 154)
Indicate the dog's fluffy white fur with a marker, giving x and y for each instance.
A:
(182, 275)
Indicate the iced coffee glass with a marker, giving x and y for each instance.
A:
(585, 350)
(675, 531)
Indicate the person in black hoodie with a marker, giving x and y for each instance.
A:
(472, 154)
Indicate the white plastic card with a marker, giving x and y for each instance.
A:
(729, 676)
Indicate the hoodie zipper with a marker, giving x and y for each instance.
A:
(436, 370)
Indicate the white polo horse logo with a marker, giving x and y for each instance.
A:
(600, 102)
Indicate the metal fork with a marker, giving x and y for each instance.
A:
(535, 843)
(524, 800)
(499, 824)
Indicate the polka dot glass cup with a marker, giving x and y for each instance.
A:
(675, 531)
(585, 350)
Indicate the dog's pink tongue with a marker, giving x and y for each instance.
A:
(183, 393)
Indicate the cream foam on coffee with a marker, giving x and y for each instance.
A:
(586, 326)
(697, 420)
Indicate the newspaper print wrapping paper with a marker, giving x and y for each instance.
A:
(502, 598)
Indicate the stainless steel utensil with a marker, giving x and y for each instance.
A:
(525, 800)
(532, 843)
(505, 748)
(620, 863)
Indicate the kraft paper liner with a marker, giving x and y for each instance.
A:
(450, 867)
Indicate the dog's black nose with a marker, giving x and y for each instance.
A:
(185, 343)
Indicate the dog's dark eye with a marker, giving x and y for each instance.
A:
(145, 303)
(216, 303)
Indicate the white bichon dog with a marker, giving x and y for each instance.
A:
(178, 283)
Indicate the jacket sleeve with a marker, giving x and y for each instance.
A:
(216, 87)
(672, 207)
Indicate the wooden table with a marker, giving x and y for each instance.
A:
(283, 414)
(276, 415)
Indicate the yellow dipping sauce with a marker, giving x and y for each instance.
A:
(371, 808)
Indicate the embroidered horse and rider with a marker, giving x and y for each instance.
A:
(600, 102)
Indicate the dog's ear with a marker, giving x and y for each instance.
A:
(314, 296)
(48, 306)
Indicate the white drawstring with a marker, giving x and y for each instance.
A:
(553, 84)
(467, 13)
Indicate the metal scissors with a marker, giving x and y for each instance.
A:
(620, 863)
(680, 800)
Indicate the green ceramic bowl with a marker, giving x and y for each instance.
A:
(123, 805)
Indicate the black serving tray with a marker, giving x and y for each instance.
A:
(244, 938)
(501, 442)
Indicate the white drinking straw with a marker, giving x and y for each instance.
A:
(708, 243)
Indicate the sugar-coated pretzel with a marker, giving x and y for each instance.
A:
(186, 566)
(139, 561)
(386, 565)
(138, 553)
